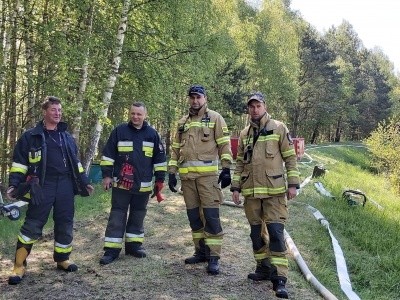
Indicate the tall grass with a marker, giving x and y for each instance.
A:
(369, 236)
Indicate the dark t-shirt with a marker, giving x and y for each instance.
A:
(57, 163)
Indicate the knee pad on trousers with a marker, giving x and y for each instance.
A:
(276, 237)
(213, 223)
(256, 237)
(194, 218)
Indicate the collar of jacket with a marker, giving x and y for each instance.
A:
(39, 129)
(263, 121)
(145, 124)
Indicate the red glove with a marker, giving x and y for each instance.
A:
(158, 186)
(126, 176)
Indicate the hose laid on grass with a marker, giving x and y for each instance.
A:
(341, 267)
(306, 271)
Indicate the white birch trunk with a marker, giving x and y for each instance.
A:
(83, 82)
(109, 86)
(29, 66)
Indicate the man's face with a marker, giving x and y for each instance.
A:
(52, 115)
(256, 109)
(138, 114)
(196, 101)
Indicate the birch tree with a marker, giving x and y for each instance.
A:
(110, 84)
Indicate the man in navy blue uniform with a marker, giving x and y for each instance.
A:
(47, 173)
(131, 158)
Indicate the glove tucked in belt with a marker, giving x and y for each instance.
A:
(126, 176)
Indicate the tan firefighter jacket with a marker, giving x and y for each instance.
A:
(199, 143)
(266, 160)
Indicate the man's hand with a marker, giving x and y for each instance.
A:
(90, 189)
(172, 182)
(225, 177)
(291, 193)
(158, 186)
(107, 183)
(235, 197)
(11, 193)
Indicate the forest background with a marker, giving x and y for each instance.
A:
(100, 56)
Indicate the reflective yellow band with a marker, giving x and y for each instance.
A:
(223, 140)
(260, 256)
(198, 169)
(62, 250)
(226, 157)
(279, 261)
(173, 163)
(18, 168)
(293, 174)
(213, 242)
(263, 191)
(198, 235)
(106, 161)
(288, 153)
(25, 240)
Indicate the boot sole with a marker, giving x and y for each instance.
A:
(14, 280)
(259, 278)
(195, 262)
(70, 268)
(213, 272)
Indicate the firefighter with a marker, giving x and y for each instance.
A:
(131, 158)
(265, 151)
(46, 172)
(201, 139)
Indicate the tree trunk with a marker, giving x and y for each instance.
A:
(30, 116)
(338, 130)
(93, 144)
(84, 78)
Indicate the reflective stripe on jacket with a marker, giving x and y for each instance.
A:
(141, 148)
(199, 143)
(30, 156)
(265, 167)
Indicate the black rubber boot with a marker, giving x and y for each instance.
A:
(280, 288)
(213, 266)
(108, 257)
(262, 272)
(67, 266)
(197, 257)
(135, 249)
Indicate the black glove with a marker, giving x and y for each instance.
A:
(31, 185)
(172, 182)
(36, 191)
(225, 177)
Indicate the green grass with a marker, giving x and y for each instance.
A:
(369, 237)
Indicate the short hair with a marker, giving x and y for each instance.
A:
(50, 100)
(139, 104)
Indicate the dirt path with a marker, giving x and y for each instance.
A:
(162, 275)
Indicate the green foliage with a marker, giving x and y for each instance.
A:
(384, 144)
(367, 235)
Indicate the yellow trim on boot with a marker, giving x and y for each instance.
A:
(67, 265)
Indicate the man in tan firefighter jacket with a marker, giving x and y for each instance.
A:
(266, 174)
(201, 140)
